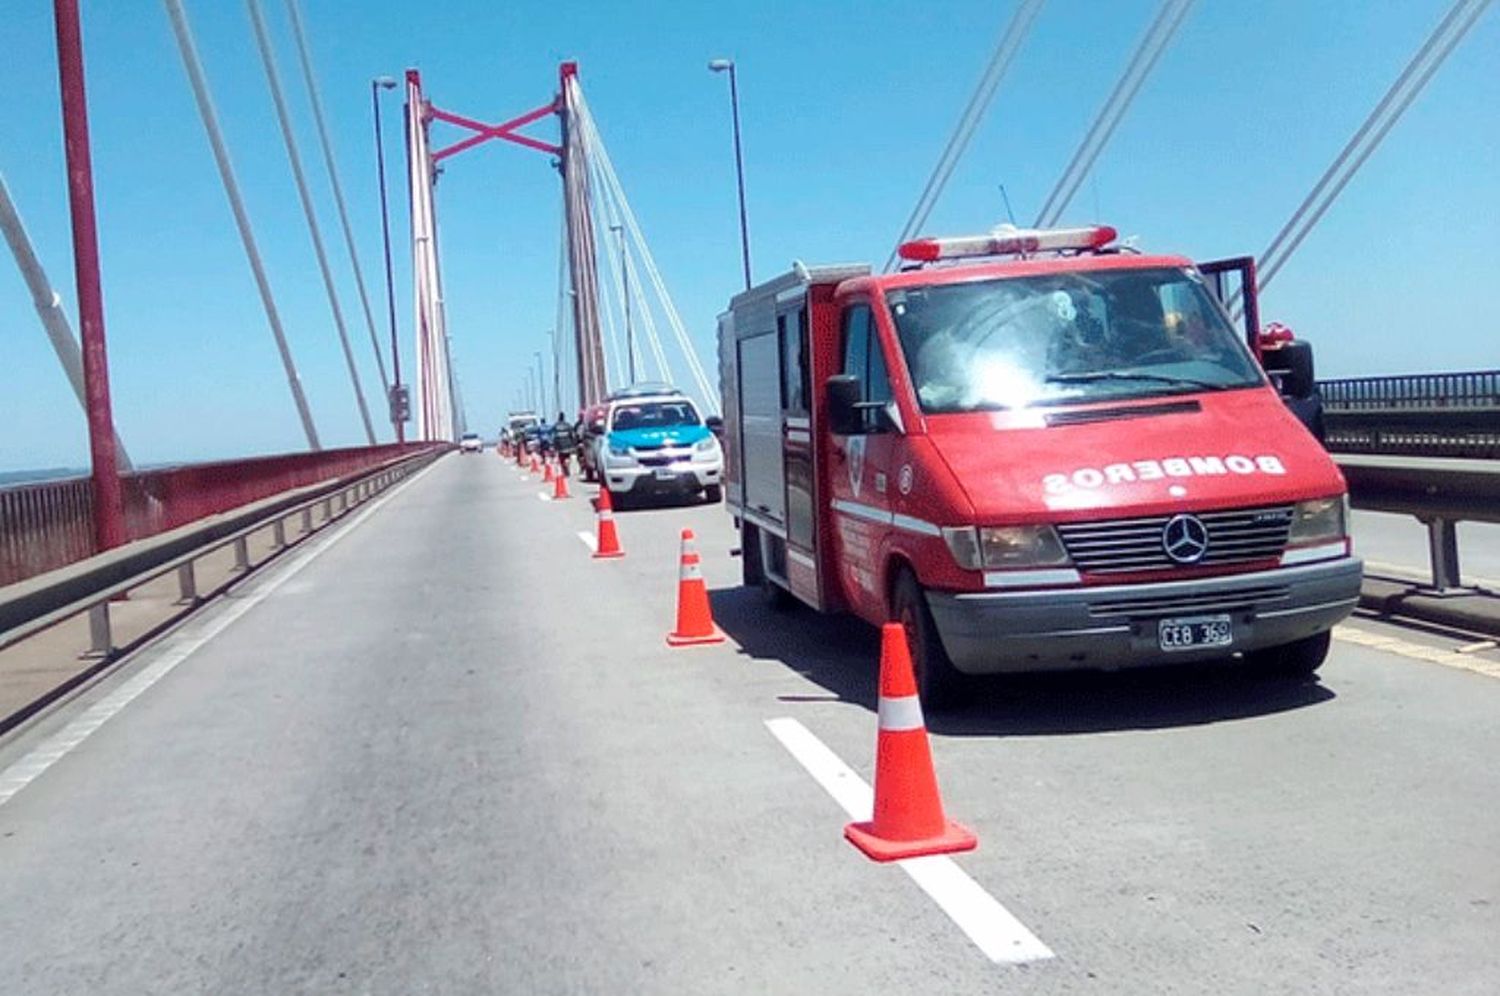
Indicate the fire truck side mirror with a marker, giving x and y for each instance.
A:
(1291, 366)
(844, 394)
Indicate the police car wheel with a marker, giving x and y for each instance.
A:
(938, 681)
(1300, 659)
(713, 494)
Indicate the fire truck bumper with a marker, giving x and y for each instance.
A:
(1118, 626)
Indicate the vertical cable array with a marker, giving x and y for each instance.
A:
(1147, 52)
(968, 121)
(194, 66)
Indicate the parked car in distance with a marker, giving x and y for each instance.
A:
(470, 443)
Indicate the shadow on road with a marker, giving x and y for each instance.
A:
(840, 653)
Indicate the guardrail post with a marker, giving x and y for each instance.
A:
(101, 643)
(307, 520)
(187, 584)
(327, 509)
(1442, 545)
(278, 531)
(241, 554)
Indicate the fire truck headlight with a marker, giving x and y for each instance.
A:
(963, 543)
(1021, 546)
(1319, 520)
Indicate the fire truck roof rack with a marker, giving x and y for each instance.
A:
(1008, 240)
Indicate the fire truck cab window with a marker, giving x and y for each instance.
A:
(862, 357)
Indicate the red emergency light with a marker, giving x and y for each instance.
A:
(1007, 240)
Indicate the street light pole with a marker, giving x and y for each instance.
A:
(376, 85)
(109, 505)
(541, 382)
(556, 370)
(625, 289)
(719, 66)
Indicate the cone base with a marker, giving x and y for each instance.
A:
(611, 555)
(955, 837)
(677, 640)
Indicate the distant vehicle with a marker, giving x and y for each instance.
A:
(470, 443)
(657, 444)
(517, 423)
(1036, 451)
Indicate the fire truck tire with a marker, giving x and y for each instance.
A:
(777, 598)
(938, 681)
(1299, 659)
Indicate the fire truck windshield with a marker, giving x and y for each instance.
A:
(1066, 337)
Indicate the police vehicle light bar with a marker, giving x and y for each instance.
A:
(1007, 240)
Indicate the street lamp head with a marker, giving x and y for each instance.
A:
(720, 65)
(384, 82)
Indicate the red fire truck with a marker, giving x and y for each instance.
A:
(1036, 449)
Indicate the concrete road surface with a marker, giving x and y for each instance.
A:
(442, 750)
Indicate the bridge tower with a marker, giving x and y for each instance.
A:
(582, 262)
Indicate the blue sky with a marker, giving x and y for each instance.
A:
(845, 108)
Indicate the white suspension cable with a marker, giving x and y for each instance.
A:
(637, 292)
(709, 394)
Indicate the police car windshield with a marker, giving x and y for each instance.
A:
(1066, 337)
(655, 415)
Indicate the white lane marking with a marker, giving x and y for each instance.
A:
(172, 650)
(543, 496)
(992, 927)
(1417, 651)
(588, 540)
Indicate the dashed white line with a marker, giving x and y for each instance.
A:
(172, 651)
(993, 928)
(588, 540)
(543, 496)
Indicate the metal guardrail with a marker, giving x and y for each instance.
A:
(48, 525)
(1431, 415)
(1438, 492)
(38, 604)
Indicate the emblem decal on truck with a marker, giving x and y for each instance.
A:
(1185, 539)
(1088, 478)
(903, 482)
(856, 446)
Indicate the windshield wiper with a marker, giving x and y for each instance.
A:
(1100, 375)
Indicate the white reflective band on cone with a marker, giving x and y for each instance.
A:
(691, 572)
(899, 715)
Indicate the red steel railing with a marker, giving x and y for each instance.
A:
(50, 525)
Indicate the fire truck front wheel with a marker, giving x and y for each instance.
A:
(938, 681)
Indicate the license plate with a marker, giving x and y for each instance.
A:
(1194, 632)
(665, 474)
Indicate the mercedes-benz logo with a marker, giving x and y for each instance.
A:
(1185, 539)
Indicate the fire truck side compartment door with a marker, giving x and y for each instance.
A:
(760, 416)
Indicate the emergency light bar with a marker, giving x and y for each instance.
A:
(1008, 240)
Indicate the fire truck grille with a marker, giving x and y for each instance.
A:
(1236, 600)
(1119, 546)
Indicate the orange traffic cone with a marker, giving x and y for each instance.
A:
(607, 544)
(560, 485)
(546, 471)
(536, 465)
(908, 819)
(520, 456)
(695, 620)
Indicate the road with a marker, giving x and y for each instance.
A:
(440, 749)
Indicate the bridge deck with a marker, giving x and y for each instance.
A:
(439, 749)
